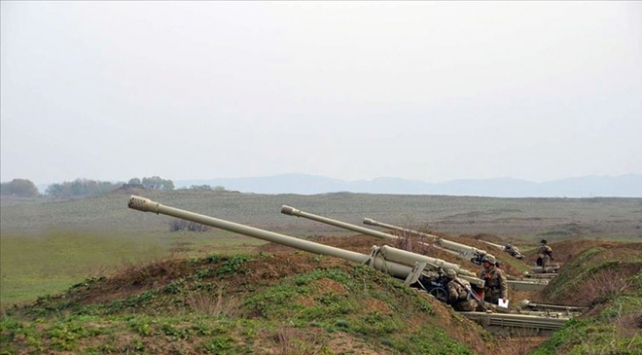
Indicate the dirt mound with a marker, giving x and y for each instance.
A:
(596, 273)
(312, 298)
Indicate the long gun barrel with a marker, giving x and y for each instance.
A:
(147, 205)
(389, 252)
(396, 269)
(463, 249)
(467, 252)
(291, 211)
(372, 222)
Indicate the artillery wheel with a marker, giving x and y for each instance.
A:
(439, 293)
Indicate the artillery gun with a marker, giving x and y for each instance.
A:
(416, 270)
(514, 252)
(472, 254)
(464, 251)
(468, 253)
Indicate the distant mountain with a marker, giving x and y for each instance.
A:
(588, 186)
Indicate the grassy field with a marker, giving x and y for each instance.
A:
(609, 218)
(38, 265)
(48, 245)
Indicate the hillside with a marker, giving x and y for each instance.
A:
(286, 303)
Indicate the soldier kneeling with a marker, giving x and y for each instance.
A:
(458, 297)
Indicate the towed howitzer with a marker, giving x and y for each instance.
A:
(416, 276)
(526, 283)
(474, 255)
(466, 252)
(396, 256)
(417, 270)
(470, 253)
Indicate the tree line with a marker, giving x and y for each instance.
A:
(19, 187)
(88, 187)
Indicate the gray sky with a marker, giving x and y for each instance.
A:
(429, 91)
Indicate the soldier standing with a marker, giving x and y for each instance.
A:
(496, 285)
(545, 254)
(458, 295)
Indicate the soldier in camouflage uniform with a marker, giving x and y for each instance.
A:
(496, 285)
(458, 297)
(545, 254)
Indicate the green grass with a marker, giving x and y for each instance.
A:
(269, 317)
(615, 327)
(36, 266)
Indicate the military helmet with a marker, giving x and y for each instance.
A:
(489, 258)
(543, 241)
(451, 273)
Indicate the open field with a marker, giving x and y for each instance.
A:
(609, 218)
(46, 245)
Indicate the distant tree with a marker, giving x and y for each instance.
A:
(55, 190)
(19, 187)
(157, 183)
(201, 187)
(134, 183)
(219, 188)
(81, 187)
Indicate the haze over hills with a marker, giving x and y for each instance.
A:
(629, 185)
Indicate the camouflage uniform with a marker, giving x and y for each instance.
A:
(496, 285)
(545, 254)
(458, 297)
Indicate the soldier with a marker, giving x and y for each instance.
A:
(545, 254)
(458, 297)
(496, 286)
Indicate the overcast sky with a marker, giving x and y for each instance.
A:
(429, 91)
